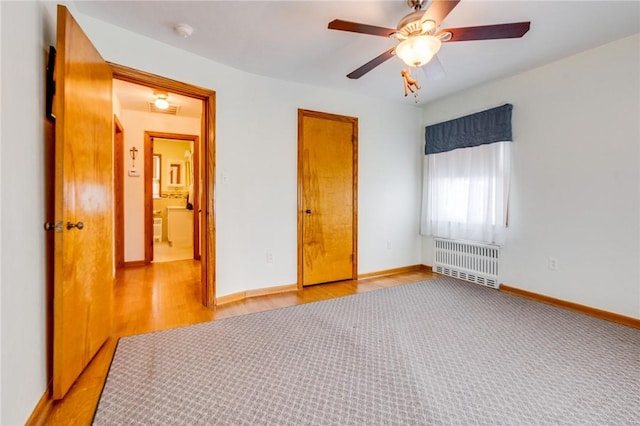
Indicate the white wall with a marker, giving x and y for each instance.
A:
(27, 30)
(256, 141)
(575, 191)
(117, 106)
(1, 230)
(135, 123)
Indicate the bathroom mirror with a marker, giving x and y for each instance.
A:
(175, 173)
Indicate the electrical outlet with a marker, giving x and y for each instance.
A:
(269, 257)
(388, 244)
(553, 263)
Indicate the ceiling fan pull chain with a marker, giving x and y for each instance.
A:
(410, 84)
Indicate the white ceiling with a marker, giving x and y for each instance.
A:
(289, 40)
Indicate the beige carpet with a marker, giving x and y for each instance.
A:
(439, 352)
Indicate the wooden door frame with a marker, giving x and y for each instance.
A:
(118, 190)
(148, 190)
(208, 98)
(303, 113)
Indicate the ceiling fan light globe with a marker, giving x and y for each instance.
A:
(417, 51)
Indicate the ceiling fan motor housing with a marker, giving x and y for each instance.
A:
(411, 22)
(416, 4)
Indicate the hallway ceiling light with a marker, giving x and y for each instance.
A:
(161, 100)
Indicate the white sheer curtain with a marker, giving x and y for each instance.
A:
(466, 191)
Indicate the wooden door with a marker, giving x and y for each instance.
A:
(83, 240)
(327, 201)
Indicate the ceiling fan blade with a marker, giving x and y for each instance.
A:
(433, 70)
(371, 64)
(355, 27)
(439, 10)
(489, 32)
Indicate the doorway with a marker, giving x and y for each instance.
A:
(205, 178)
(172, 203)
(327, 200)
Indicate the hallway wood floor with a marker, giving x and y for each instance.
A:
(167, 295)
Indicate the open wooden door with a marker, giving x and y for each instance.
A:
(327, 200)
(83, 237)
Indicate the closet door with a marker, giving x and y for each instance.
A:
(327, 221)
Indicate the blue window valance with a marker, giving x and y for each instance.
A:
(492, 125)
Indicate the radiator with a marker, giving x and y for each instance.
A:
(467, 261)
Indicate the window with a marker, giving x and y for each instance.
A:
(155, 180)
(466, 193)
(467, 173)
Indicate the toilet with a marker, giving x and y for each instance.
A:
(157, 229)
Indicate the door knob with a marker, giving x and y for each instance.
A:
(50, 226)
(308, 211)
(78, 225)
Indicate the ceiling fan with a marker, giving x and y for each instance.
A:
(420, 37)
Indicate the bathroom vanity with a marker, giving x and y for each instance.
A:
(179, 226)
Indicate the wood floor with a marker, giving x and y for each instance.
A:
(167, 295)
(163, 252)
